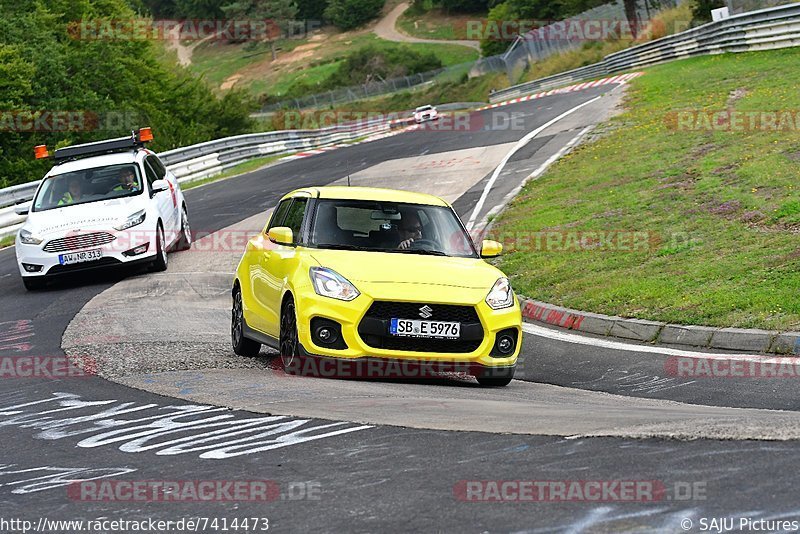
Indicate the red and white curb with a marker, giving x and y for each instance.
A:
(322, 150)
(622, 78)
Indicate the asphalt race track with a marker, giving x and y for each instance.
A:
(367, 457)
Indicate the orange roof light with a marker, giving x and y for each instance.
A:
(145, 134)
(41, 152)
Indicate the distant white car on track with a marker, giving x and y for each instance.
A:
(102, 204)
(425, 113)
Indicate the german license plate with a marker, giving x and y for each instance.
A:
(416, 328)
(80, 257)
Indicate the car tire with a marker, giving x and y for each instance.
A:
(161, 262)
(185, 239)
(33, 284)
(497, 377)
(242, 346)
(289, 344)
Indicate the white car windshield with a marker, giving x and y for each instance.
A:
(390, 227)
(424, 108)
(88, 185)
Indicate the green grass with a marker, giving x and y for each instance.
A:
(435, 24)
(722, 208)
(236, 170)
(7, 241)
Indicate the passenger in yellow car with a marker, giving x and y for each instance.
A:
(73, 194)
(127, 182)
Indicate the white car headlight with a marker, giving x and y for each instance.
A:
(329, 283)
(501, 296)
(29, 238)
(133, 220)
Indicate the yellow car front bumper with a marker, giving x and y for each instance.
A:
(350, 316)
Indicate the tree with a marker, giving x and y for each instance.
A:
(492, 43)
(115, 84)
(311, 10)
(350, 14)
(632, 16)
(465, 6)
(278, 14)
(198, 9)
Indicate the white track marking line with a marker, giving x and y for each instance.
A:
(630, 347)
(521, 143)
(532, 176)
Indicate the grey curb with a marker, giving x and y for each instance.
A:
(743, 339)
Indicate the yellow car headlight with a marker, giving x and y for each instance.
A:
(501, 296)
(329, 283)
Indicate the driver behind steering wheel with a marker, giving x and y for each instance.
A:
(410, 229)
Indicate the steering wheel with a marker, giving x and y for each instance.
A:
(423, 244)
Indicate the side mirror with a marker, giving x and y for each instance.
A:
(158, 186)
(281, 235)
(490, 249)
(22, 209)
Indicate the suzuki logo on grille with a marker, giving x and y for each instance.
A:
(426, 312)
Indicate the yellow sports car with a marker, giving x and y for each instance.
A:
(375, 282)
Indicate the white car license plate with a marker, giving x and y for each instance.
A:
(80, 257)
(416, 328)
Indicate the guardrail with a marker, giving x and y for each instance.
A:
(208, 159)
(766, 29)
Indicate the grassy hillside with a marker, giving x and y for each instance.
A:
(311, 60)
(436, 24)
(721, 207)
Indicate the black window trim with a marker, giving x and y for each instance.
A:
(301, 238)
(272, 220)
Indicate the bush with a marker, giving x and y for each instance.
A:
(491, 46)
(465, 6)
(349, 14)
(702, 9)
(373, 64)
(313, 10)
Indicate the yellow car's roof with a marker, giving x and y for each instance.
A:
(369, 193)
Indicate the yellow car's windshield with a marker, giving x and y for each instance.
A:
(389, 227)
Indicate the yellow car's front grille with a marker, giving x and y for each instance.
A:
(374, 327)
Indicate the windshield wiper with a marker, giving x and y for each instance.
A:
(339, 246)
(418, 251)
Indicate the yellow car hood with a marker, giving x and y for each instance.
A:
(399, 268)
